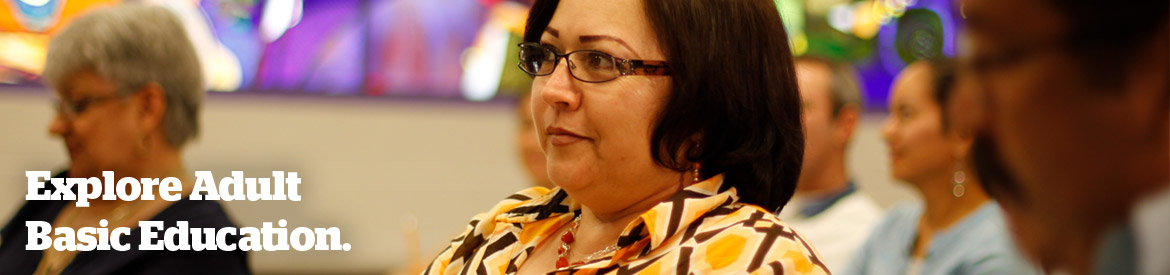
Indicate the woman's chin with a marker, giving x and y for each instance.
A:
(901, 174)
(569, 184)
(568, 180)
(79, 171)
(88, 169)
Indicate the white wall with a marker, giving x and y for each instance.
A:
(367, 165)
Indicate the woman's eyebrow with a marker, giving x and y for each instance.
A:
(591, 38)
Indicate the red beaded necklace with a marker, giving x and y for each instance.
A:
(567, 240)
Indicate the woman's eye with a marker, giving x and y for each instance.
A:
(80, 105)
(600, 61)
(535, 56)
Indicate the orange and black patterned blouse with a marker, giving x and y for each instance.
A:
(697, 231)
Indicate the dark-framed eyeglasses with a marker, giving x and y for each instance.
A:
(585, 65)
(71, 109)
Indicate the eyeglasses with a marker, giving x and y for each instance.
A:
(541, 60)
(1008, 52)
(70, 109)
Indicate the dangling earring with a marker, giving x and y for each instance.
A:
(696, 173)
(143, 148)
(958, 179)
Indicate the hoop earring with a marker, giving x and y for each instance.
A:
(959, 177)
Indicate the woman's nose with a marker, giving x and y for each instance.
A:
(59, 126)
(888, 129)
(561, 90)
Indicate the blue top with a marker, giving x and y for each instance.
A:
(812, 208)
(977, 244)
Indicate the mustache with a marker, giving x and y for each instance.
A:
(995, 178)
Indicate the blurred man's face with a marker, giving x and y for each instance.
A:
(817, 106)
(1053, 131)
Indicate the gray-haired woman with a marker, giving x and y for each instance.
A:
(129, 85)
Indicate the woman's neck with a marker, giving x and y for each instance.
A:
(1080, 252)
(599, 229)
(159, 166)
(164, 162)
(942, 209)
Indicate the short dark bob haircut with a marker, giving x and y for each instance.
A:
(734, 105)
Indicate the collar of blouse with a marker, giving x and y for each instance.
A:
(646, 233)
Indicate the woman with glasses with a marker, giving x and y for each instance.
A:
(129, 87)
(671, 130)
(956, 229)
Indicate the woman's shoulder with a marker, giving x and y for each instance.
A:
(905, 210)
(988, 246)
(33, 211)
(36, 210)
(527, 204)
(985, 229)
(902, 217)
(737, 213)
(747, 236)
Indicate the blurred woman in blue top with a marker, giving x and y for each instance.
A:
(957, 229)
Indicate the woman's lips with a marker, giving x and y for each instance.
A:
(73, 149)
(560, 137)
(895, 153)
(561, 140)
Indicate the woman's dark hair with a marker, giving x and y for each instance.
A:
(942, 71)
(734, 106)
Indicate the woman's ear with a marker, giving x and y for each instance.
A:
(690, 150)
(963, 139)
(152, 106)
(845, 123)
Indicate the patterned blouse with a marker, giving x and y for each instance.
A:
(698, 230)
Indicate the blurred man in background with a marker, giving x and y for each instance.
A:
(1075, 116)
(827, 207)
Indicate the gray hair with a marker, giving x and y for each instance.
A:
(132, 45)
(843, 85)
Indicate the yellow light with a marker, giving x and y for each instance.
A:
(868, 23)
(799, 43)
(879, 12)
(24, 51)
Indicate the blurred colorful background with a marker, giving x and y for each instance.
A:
(456, 49)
